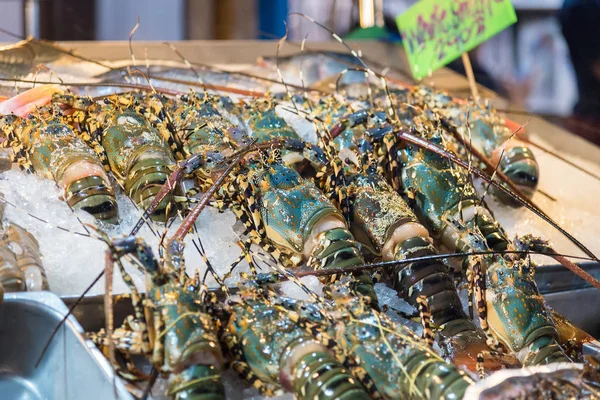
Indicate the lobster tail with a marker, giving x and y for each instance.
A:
(426, 278)
(435, 379)
(520, 166)
(93, 195)
(458, 335)
(146, 177)
(139, 158)
(545, 350)
(517, 314)
(336, 248)
(400, 364)
(493, 234)
(319, 372)
(198, 382)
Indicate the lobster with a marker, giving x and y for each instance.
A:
(486, 133)
(52, 149)
(274, 351)
(172, 326)
(127, 144)
(292, 220)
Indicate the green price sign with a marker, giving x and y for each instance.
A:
(435, 32)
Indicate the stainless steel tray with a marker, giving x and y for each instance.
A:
(571, 296)
(72, 368)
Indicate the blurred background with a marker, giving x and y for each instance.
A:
(547, 63)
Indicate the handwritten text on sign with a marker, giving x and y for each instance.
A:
(435, 32)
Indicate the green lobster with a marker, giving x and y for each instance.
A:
(400, 363)
(52, 149)
(481, 126)
(289, 217)
(387, 358)
(173, 326)
(275, 352)
(128, 145)
(387, 227)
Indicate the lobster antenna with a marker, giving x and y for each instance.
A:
(48, 223)
(52, 73)
(383, 79)
(297, 110)
(350, 49)
(296, 280)
(67, 315)
(171, 135)
(150, 385)
(209, 268)
(522, 201)
(131, 53)
(55, 47)
(563, 159)
(311, 117)
(139, 72)
(279, 44)
(323, 135)
(582, 124)
(12, 34)
(200, 82)
(391, 110)
(248, 75)
(368, 71)
(469, 177)
(147, 62)
(188, 65)
(142, 220)
(304, 91)
(161, 240)
(163, 236)
(169, 185)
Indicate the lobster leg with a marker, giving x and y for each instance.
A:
(125, 340)
(425, 315)
(246, 373)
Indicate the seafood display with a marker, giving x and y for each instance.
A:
(338, 194)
